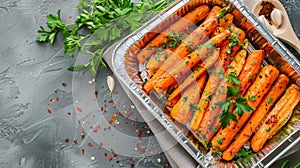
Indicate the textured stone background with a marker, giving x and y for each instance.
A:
(32, 74)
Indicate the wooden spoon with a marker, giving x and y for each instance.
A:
(285, 32)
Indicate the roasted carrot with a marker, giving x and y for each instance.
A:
(190, 61)
(188, 104)
(209, 90)
(258, 115)
(157, 60)
(227, 20)
(197, 72)
(249, 71)
(232, 46)
(254, 96)
(184, 49)
(189, 19)
(277, 117)
(210, 126)
(214, 12)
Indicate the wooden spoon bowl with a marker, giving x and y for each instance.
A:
(285, 32)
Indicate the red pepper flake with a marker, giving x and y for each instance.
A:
(101, 108)
(132, 123)
(96, 129)
(110, 101)
(79, 109)
(82, 151)
(56, 98)
(64, 84)
(105, 111)
(49, 111)
(75, 141)
(69, 113)
(101, 144)
(70, 17)
(105, 153)
(96, 94)
(109, 158)
(104, 101)
(67, 140)
(90, 144)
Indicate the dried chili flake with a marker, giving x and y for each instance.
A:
(110, 101)
(90, 144)
(96, 94)
(82, 151)
(69, 113)
(64, 84)
(56, 98)
(105, 153)
(67, 140)
(49, 111)
(79, 109)
(109, 158)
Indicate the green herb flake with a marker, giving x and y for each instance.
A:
(219, 140)
(270, 101)
(251, 98)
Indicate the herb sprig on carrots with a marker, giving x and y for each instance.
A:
(233, 99)
(109, 20)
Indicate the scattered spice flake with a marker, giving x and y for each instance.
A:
(97, 128)
(56, 98)
(64, 84)
(109, 158)
(69, 113)
(90, 144)
(75, 141)
(101, 143)
(132, 123)
(79, 109)
(70, 17)
(82, 151)
(110, 101)
(105, 153)
(104, 101)
(49, 111)
(67, 140)
(96, 94)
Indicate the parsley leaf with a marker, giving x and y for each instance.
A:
(107, 20)
(270, 101)
(232, 78)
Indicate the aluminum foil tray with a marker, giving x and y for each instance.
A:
(125, 67)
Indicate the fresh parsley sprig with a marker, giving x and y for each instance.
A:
(234, 100)
(108, 20)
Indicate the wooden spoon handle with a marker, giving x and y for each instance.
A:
(290, 38)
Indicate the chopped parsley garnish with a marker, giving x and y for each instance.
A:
(251, 98)
(270, 101)
(232, 78)
(194, 107)
(219, 140)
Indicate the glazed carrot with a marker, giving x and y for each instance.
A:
(188, 104)
(157, 60)
(209, 126)
(277, 117)
(232, 46)
(214, 12)
(249, 71)
(209, 90)
(258, 115)
(197, 72)
(198, 36)
(227, 20)
(254, 96)
(189, 62)
(196, 15)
